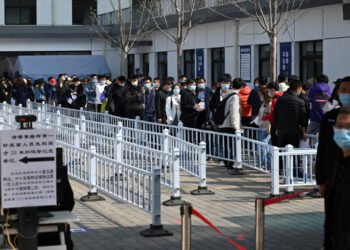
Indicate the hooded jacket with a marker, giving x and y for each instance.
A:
(232, 107)
(319, 94)
(246, 109)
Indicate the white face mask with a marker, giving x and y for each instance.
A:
(134, 83)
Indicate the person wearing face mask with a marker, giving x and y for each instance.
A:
(189, 105)
(172, 106)
(254, 99)
(274, 94)
(328, 152)
(156, 83)
(289, 117)
(149, 98)
(283, 87)
(337, 216)
(116, 99)
(204, 94)
(134, 105)
(215, 99)
(78, 95)
(100, 87)
(246, 108)
(90, 91)
(161, 96)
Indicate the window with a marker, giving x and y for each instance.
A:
(145, 64)
(20, 12)
(131, 64)
(311, 60)
(218, 63)
(82, 11)
(189, 64)
(162, 66)
(264, 60)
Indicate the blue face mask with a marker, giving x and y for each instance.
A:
(176, 91)
(262, 99)
(147, 85)
(225, 86)
(192, 88)
(257, 85)
(154, 85)
(201, 86)
(103, 82)
(122, 84)
(169, 90)
(342, 138)
(344, 99)
(270, 95)
(94, 81)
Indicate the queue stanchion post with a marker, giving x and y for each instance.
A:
(92, 194)
(186, 212)
(259, 224)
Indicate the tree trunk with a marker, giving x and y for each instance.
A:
(179, 60)
(273, 56)
(124, 63)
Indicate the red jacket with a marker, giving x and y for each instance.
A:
(269, 116)
(246, 109)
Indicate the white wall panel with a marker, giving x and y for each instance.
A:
(215, 35)
(172, 64)
(44, 12)
(200, 33)
(308, 24)
(63, 12)
(334, 25)
(229, 60)
(246, 32)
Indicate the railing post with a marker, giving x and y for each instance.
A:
(82, 123)
(181, 130)
(47, 123)
(29, 106)
(76, 137)
(4, 106)
(275, 180)
(39, 114)
(1, 123)
(106, 117)
(120, 127)
(175, 199)
(59, 122)
(237, 144)
(156, 228)
(289, 170)
(202, 188)
(259, 224)
(92, 163)
(166, 146)
(186, 212)
(118, 152)
(20, 109)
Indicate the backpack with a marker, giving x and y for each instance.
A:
(219, 115)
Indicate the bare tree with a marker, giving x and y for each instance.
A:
(274, 18)
(123, 27)
(184, 10)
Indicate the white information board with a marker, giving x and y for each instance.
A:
(28, 168)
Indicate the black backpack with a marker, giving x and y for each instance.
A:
(219, 115)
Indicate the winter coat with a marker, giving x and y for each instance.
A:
(173, 109)
(116, 101)
(246, 109)
(255, 101)
(208, 92)
(319, 94)
(63, 93)
(161, 97)
(265, 125)
(133, 99)
(99, 90)
(289, 115)
(90, 91)
(188, 113)
(21, 95)
(328, 152)
(233, 109)
(269, 116)
(39, 92)
(149, 99)
(80, 101)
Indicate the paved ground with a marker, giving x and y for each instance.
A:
(111, 224)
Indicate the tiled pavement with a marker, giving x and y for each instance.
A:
(112, 224)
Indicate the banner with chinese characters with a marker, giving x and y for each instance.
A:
(200, 63)
(245, 63)
(28, 168)
(286, 59)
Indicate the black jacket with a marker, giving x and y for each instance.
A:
(161, 97)
(328, 152)
(63, 93)
(307, 104)
(81, 97)
(289, 115)
(116, 101)
(255, 101)
(215, 100)
(188, 113)
(337, 223)
(133, 99)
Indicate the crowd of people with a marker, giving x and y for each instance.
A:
(285, 111)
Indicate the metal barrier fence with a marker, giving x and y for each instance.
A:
(116, 179)
(241, 150)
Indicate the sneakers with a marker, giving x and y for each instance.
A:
(222, 164)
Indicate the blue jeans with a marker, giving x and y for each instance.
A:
(149, 118)
(264, 154)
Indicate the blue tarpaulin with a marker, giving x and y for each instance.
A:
(36, 67)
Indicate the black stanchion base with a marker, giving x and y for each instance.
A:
(174, 201)
(92, 197)
(202, 191)
(275, 195)
(155, 231)
(237, 171)
(314, 194)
